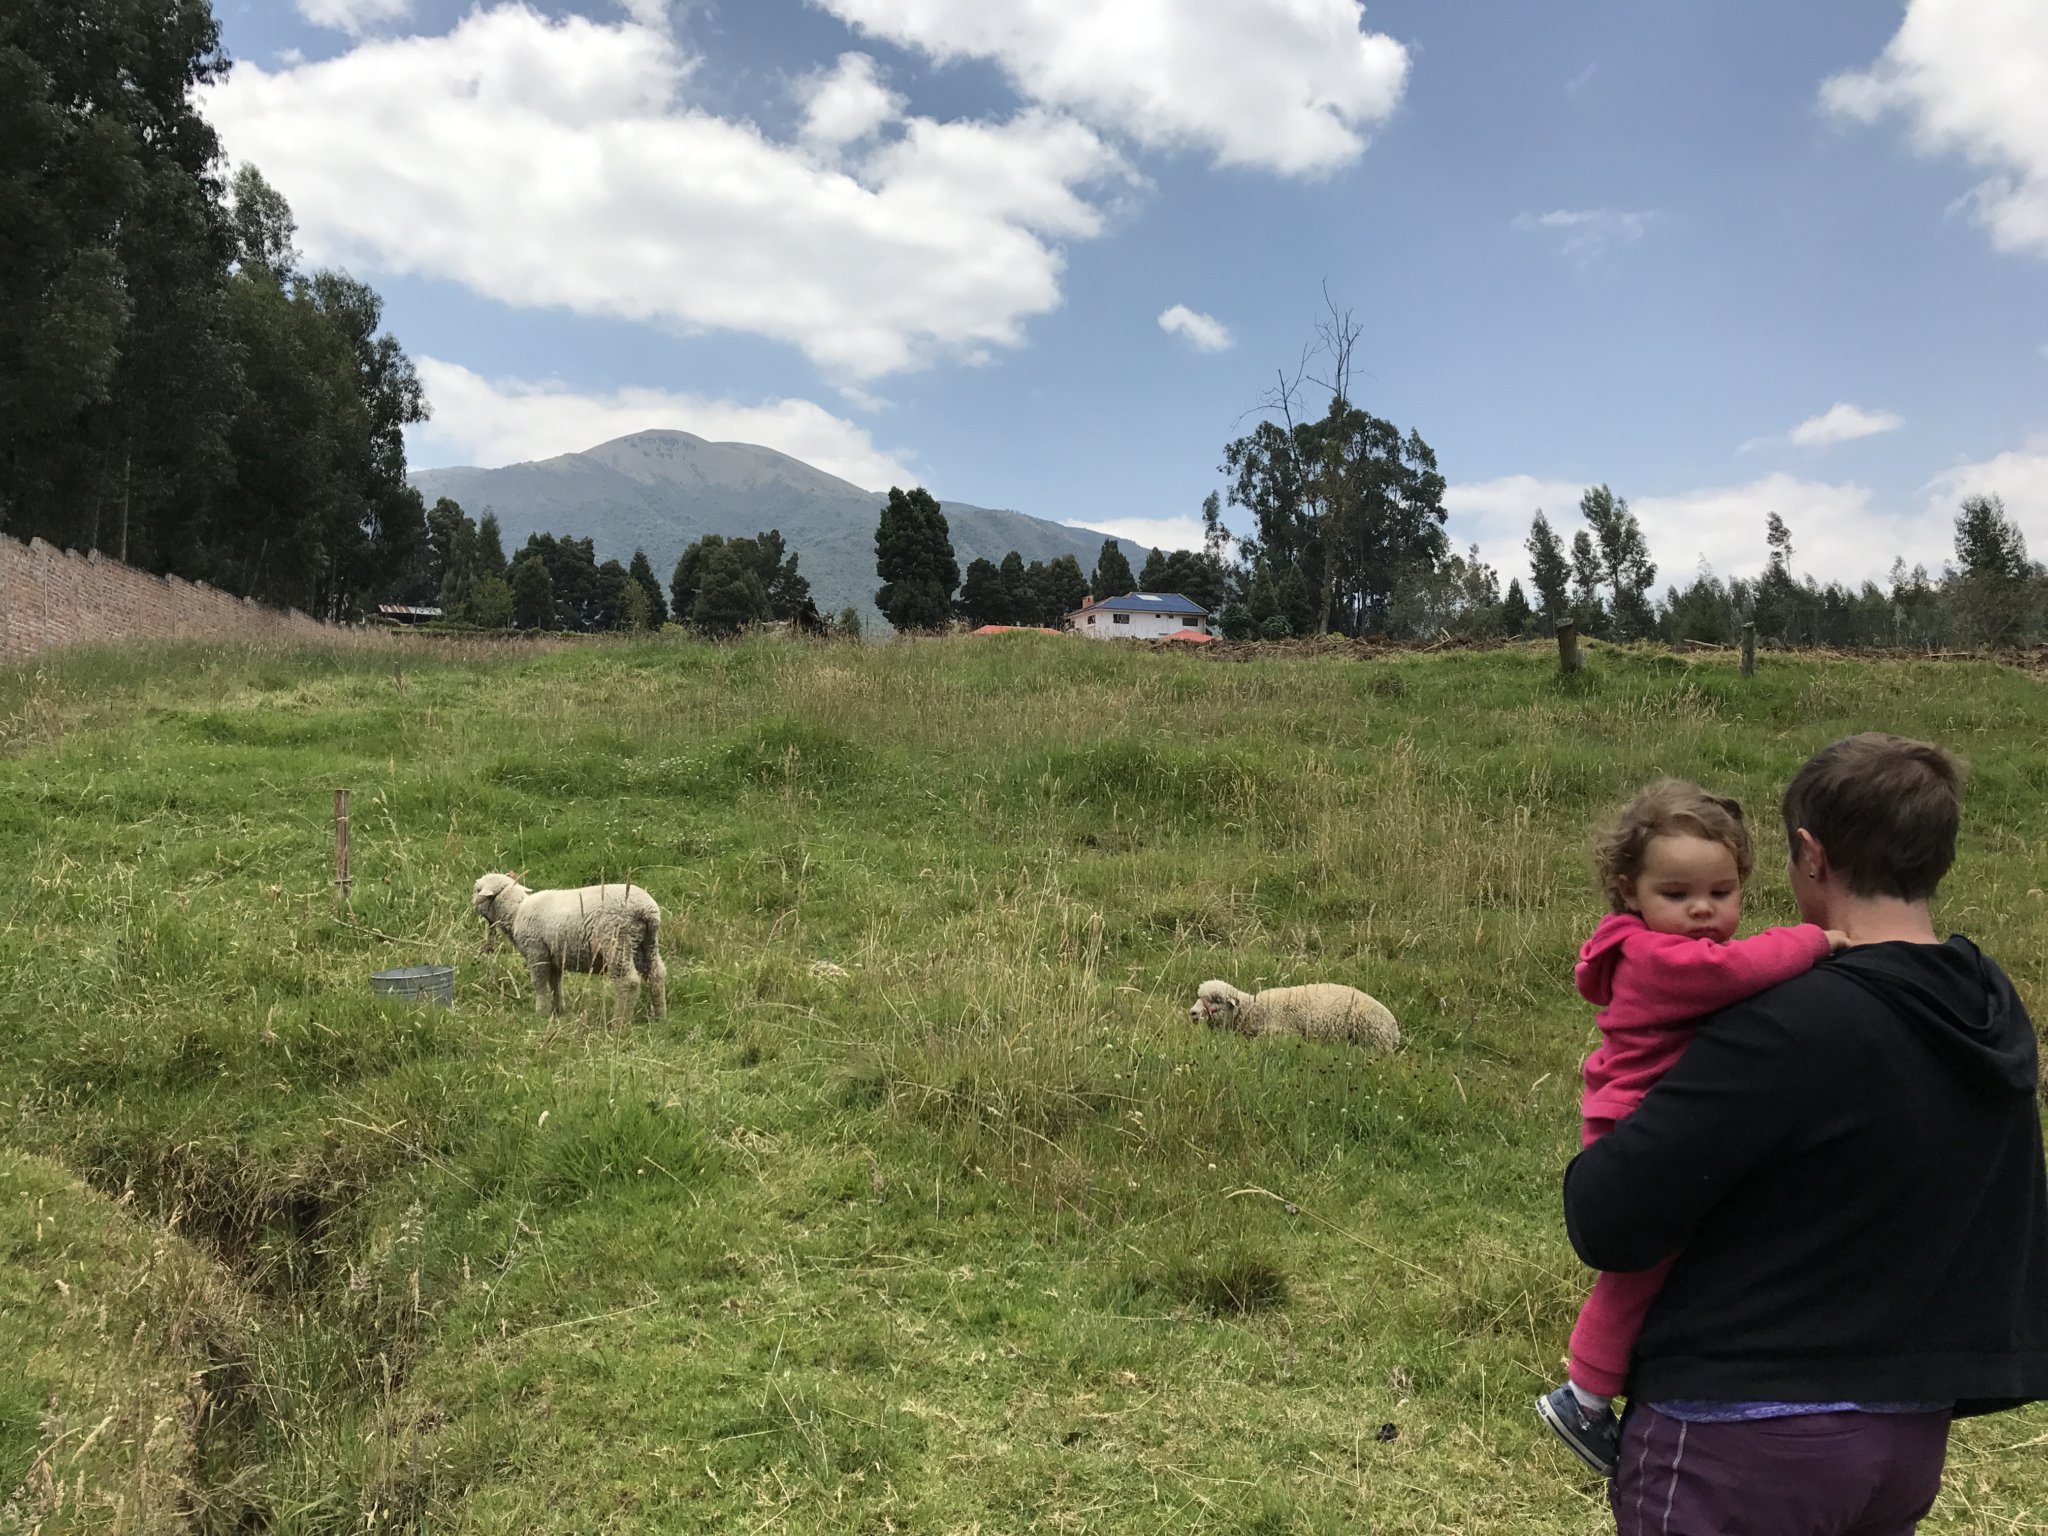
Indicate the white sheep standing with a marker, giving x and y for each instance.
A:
(598, 930)
(1322, 1010)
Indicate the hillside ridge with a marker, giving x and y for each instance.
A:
(662, 489)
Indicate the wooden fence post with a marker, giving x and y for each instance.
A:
(341, 875)
(1749, 649)
(1568, 657)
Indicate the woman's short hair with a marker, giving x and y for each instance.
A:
(1668, 808)
(1884, 808)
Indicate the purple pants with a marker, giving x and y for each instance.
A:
(1820, 1474)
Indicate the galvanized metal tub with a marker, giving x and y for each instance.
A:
(417, 984)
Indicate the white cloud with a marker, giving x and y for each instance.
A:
(1839, 423)
(353, 16)
(1287, 85)
(1495, 515)
(1167, 533)
(847, 103)
(506, 421)
(1843, 423)
(1971, 77)
(1587, 234)
(1582, 79)
(649, 13)
(557, 163)
(2018, 477)
(1204, 332)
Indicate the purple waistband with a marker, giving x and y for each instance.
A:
(1695, 1412)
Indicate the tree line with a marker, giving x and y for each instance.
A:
(175, 389)
(920, 574)
(1992, 594)
(1347, 537)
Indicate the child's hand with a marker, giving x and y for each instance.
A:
(1837, 941)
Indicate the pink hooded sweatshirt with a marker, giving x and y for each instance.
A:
(1650, 988)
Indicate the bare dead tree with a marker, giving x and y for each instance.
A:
(1332, 477)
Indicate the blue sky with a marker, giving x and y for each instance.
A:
(1727, 259)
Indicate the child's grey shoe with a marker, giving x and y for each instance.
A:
(1595, 1438)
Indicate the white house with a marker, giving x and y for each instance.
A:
(1138, 616)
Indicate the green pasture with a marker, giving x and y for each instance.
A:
(982, 1236)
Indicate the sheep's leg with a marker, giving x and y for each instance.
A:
(657, 987)
(646, 959)
(547, 987)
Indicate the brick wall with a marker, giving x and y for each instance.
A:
(51, 596)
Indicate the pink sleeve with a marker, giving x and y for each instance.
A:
(1683, 978)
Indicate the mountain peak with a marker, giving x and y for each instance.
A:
(657, 491)
(667, 457)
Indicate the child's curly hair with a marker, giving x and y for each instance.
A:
(1669, 807)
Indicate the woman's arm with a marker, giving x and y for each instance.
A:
(1733, 1099)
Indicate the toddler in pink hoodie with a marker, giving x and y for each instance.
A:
(1672, 865)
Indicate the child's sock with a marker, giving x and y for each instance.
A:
(1592, 1402)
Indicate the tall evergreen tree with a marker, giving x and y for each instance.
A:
(117, 374)
(617, 599)
(491, 606)
(688, 579)
(789, 594)
(490, 546)
(572, 568)
(1197, 576)
(1778, 601)
(1515, 615)
(461, 579)
(1989, 544)
(1065, 586)
(1992, 589)
(642, 573)
(983, 598)
(1587, 574)
(1018, 590)
(1549, 571)
(914, 558)
(533, 593)
(1624, 561)
(1036, 601)
(1112, 576)
(730, 595)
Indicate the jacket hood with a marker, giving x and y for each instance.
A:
(1959, 1001)
(1600, 954)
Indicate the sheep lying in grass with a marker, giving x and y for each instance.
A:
(1322, 1010)
(599, 930)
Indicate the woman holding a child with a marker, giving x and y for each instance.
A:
(1823, 1211)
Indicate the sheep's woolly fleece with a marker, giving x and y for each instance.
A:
(1322, 1010)
(601, 930)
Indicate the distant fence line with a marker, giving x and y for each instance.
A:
(51, 597)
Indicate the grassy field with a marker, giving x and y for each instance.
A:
(983, 1237)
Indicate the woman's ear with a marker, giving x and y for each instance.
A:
(1808, 855)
